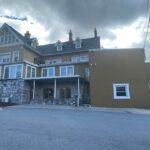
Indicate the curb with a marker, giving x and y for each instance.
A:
(100, 109)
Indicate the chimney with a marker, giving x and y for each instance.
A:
(95, 32)
(27, 34)
(70, 36)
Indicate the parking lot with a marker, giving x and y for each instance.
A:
(67, 128)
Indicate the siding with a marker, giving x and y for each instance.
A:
(118, 66)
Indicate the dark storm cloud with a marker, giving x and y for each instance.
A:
(80, 15)
(103, 12)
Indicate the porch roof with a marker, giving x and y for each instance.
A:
(60, 79)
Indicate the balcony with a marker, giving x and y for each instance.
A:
(73, 60)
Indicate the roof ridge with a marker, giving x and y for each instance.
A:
(15, 30)
(20, 36)
(71, 41)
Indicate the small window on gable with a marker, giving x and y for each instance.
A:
(59, 45)
(121, 91)
(78, 43)
(1, 39)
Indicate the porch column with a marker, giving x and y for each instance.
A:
(33, 89)
(78, 98)
(55, 89)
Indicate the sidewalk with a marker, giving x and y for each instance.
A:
(124, 110)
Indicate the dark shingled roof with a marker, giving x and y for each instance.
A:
(69, 46)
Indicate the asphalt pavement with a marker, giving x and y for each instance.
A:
(69, 128)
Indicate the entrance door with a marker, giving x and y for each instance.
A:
(48, 93)
(65, 93)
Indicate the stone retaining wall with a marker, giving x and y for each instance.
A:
(16, 91)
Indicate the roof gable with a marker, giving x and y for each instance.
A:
(7, 36)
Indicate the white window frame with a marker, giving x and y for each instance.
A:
(78, 43)
(80, 58)
(66, 67)
(53, 61)
(61, 69)
(13, 69)
(126, 85)
(9, 75)
(21, 70)
(59, 47)
(75, 59)
(84, 58)
(1, 39)
(48, 68)
(2, 55)
(72, 70)
(31, 71)
(42, 73)
(13, 58)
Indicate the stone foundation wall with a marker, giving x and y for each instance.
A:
(17, 91)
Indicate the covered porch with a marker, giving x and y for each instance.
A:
(72, 90)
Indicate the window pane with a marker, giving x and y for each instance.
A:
(19, 71)
(33, 72)
(70, 70)
(63, 71)
(4, 58)
(78, 44)
(75, 59)
(28, 71)
(12, 72)
(6, 74)
(9, 39)
(51, 72)
(16, 56)
(121, 93)
(45, 72)
(59, 47)
(121, 88)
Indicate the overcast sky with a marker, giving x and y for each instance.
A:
(120, 23)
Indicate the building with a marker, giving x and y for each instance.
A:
(58, 72)
(120, 78)
(76, 72)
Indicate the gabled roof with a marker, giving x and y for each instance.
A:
(20, 36)
(25, 41)
(51, 49)
(69, 47)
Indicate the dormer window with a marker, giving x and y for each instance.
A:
(59, 45)
(78, 43)
(34, 42)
